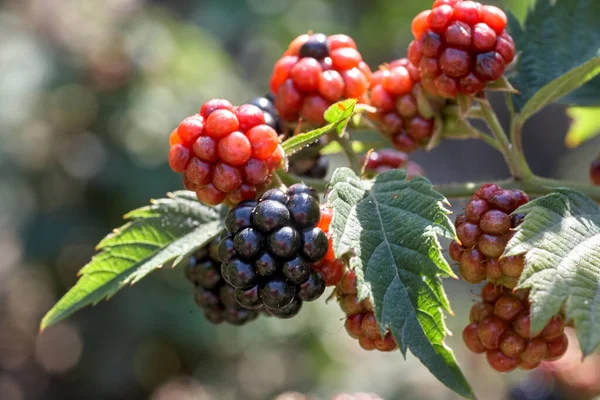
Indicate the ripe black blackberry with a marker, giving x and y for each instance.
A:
(269, 250)
(271, 115)
(214, 296)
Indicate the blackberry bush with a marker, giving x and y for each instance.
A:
(376, 235)
(215, 297)
(269, 250)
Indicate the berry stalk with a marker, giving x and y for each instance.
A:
(534, 186)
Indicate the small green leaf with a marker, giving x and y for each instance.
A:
(585, 125)
(342, 110)
(558, 38)
(165, 232)
(391, 227)
(560, 237)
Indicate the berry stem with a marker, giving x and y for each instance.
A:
(346, 146)
(505, 146)
(534, 186)
(516, 129)
(289, 179)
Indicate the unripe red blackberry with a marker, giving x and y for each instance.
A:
(214, 296)
(384, 160)
(483, 232)
(270, 248)
(394, 91)
(225, 153)
(500, 325)
(595, 171)
(361, 323)
(460, 46)
(316, 71)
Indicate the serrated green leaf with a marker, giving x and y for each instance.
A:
(558, 37)
(337, 114)
(560, 237)
(391, 226)
(585, 125)
(165, 232)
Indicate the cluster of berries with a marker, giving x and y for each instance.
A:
(316, 71)
(214, 296)
(269, 250)
(384, 160)
(394, 90)
(500, 323)
(460, 46)
(500, 327)
(225, 153)
(484, 230)
(360, 319)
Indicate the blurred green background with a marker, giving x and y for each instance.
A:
(89, 92)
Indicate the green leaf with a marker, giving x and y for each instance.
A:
(165, 232)
(585, 125)
(391, 226)
(337, 114)
(561, 86)
(559, 46)
(560, 237)
(588, 95)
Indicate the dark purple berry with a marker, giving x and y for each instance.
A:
(248, 243)
(296, 270)
(313, 288)
(298, 188)
(275, 195)
(270, 215)
(314, 244)
(288, 311)
(239, 274)
(239, 217)
(304, 209)
(226, 251)
(249, 298)
(277, 293)
(284, 243)
(316, 47)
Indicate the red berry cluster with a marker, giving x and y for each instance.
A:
(392, 93)
(225, 153)
(484, 230)
(595, 171)
(388, 159)
(315, 72)
(500, 327)
(331, 268)
(360, 322)
(460, 46)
